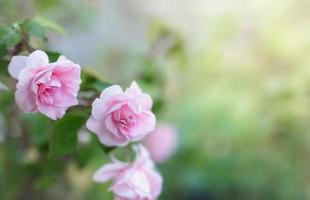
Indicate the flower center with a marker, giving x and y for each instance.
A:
(46, 93)
(46, 88)
(124, 118)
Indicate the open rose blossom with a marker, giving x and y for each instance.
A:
(49, 88)
(132, 181)
(162, 142)
(120, 117)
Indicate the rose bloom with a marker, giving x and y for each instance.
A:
(132, 181)
(50, 88)
(120, 117)
(162, 142)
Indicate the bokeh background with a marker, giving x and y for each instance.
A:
(232, 75)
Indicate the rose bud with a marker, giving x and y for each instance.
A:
(132, 181)
(162, 142)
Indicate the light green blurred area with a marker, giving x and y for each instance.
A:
(236, 85)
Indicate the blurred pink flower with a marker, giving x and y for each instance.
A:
(121, 117)
(132, 181)
(162, 142)
(50, 88)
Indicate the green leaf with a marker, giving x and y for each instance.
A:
(47, 23)
(91, 81)
(53, 56)
(85, 153)
(105, 149)
(39, 127)
(87, 81)
(100, 85)
(4, 67)
(33, 28)
(44, 182)
(79, 110)
(64, 135)
(6, 99)
(2, 50)
(158, 105)
(9, 37)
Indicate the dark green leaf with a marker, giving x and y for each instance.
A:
(79, 110)
(64, 135)
(4, 67)
(100, 85)
(87, 80)
(9, 37)
(91, 81)
(44, 182)
(43, 167)
(158, 105)
(6, 99)
(53, 56)
(104, 148)
(85, 153)
(39, 127)
(2, 50)
(33, 28)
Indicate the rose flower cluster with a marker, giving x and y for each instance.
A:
(118, 117)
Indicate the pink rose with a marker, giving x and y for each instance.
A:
(132, 181)
(120, 117)
(162, 142)
(49, 88)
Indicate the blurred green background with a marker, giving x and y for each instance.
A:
(232, 75)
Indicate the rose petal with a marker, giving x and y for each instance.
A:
(144, 126)
(145, 101)
(52, 111)
(61, 58)
(37, 59)
(16, 64)
(25, 100)
(108, 172)
(99, 109)
(156, 181)
(110, 125)
(134, 89)
(124, 191)
(99, 129)
(142, 155)
(110, 91)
